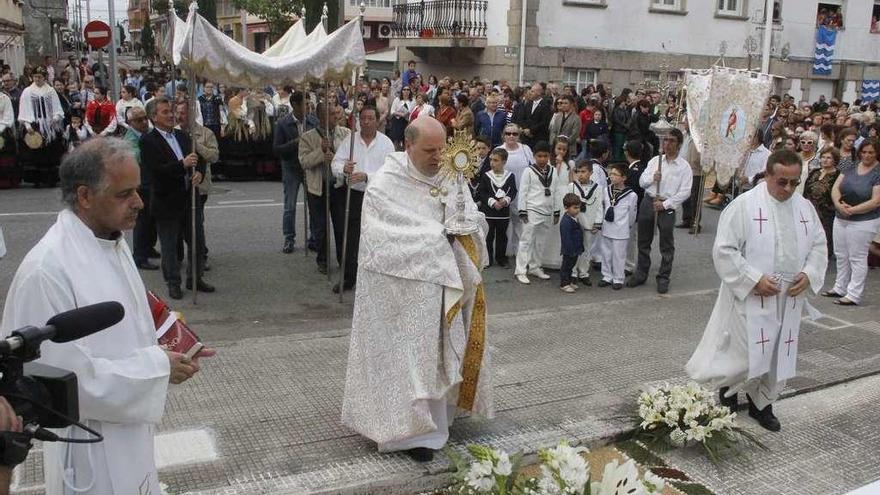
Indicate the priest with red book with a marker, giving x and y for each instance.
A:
(122, 372)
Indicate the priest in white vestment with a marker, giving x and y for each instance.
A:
(122, 372)
(406, 375)
(770, 248)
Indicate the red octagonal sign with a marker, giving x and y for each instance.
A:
(97, 34)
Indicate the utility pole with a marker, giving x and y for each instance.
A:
(768, 36)
(114, 42)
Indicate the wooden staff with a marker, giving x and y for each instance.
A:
(305, 186)
(327, 178)
(354, 116)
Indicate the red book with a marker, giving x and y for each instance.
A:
(171, 331)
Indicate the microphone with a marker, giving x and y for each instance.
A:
(66, 327)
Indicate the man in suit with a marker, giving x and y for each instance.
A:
(490, 122)
(167, 155)
(538, 112)
(145, 229)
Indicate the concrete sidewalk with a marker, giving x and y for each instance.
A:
(263, 416)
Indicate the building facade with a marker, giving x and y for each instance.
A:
(12, 35)
(622, 43)
(44, 21)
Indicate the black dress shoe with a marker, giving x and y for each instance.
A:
(603, 283)
(152, 253)
(345, 286)
(729, 402)
(683, 225)
(322, 268)
(420, 454)
(174, 292)
(146, 265)
(202, 286)
(585, 281)
(662, 286)
(764, 417)
(288, 248)
(627, 272)
(617, 286)
(635, 281)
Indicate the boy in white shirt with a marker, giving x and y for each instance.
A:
(536, 205)
(590, 216)
(619, 205)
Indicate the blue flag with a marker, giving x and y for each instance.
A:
(825, 38)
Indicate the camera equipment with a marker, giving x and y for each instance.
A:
(45, 396)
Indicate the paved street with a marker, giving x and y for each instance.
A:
(263, 416)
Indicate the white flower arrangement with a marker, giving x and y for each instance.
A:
(687, 414)
(564, 471)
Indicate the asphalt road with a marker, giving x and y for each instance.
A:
(263, 417)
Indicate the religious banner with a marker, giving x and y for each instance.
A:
(825, 39)
(736, 101)
(698, 85)
(870, 90)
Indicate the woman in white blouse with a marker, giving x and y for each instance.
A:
(400, 110)
(422, 108)
(127, 101)
(519, 157)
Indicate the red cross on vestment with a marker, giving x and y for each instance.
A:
(804, 221)
(760, 221)
(789, 342)
(764, 340)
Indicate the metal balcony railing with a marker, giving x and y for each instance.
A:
(440, 19)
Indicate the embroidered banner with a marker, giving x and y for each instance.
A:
(736, 101)
(825, 39)
(698, 85)
(870, 90)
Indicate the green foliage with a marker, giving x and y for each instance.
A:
(148, 42)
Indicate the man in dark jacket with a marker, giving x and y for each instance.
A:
(538, 112)
(288, 130)
(167, 154)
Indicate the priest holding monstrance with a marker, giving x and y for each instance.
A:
(418, 351)
(770, 248)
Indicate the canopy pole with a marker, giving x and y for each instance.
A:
(305, 113)
(171, 24)
(327, 176)
(194, 246)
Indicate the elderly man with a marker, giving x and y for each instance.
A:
(536, 116)
(145, 229)
(409, 369)
(490, 122)
(174, 168)
(122, 373)
(770, 249)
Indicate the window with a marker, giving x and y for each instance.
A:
(875, 17)
(829, 13)
(370, 3)
(730, 7)
(666, 4)
(579, 78)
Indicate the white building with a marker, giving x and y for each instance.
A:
(623, 42)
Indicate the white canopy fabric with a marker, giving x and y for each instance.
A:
(293, 38)
(177, 37)
(215, 56)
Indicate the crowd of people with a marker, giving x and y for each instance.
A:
(537, 144)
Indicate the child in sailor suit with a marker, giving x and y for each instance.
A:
(496, 191)
(590, 216)
(619, 206)
(537, 208)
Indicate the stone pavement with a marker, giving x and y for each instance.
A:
(271, 406)
(825, 446)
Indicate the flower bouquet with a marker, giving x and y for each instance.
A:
(680, 415)
(563, 471)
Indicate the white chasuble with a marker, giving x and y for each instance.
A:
(777, 245)
(748, 336)
(121, 371)
(404, 368)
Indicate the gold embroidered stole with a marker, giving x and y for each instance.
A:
(473, 355)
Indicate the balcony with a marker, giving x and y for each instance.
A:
(439, 24)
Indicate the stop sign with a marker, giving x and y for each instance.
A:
(97, 34)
